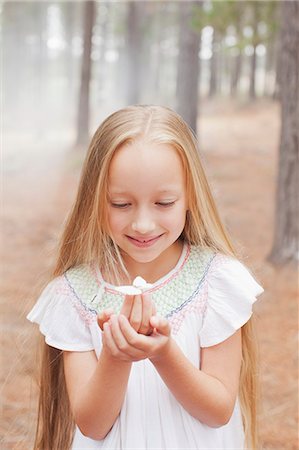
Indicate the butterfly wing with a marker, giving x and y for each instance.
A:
(128, 290)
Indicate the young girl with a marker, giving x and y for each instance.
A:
(172, 367)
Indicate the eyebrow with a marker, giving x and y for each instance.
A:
(168, 190)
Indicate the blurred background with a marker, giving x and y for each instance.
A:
(230, 68)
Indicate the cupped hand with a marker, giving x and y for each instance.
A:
(123, 342)
(138, 309)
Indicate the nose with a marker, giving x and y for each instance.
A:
(143, 223)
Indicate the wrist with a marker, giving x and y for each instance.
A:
(164, 353)
(108, 358)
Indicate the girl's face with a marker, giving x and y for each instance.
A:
(147, 203)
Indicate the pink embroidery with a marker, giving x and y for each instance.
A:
(65, 289)
(198, 305)
(95, 273)
(217, 262)
(61, 286)
(159, 286)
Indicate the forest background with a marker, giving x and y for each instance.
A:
(231, 69)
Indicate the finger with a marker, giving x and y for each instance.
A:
(161, 325)
(145, 327)
(108, 340)
(118, 337)
(104, 316)
(135, 318)
(123, 346)
(127, 305)
(136, 340)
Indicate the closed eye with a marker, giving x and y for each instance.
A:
(166, 204)
(120, 205)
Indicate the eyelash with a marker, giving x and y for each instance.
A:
(121, 206)
(166, 204)
(125, 205)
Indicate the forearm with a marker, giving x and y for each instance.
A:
(203, 396)
(100, 401)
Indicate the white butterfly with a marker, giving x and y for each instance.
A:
(138, 286)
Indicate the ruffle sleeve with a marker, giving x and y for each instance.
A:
(58, 319)
(232, 290)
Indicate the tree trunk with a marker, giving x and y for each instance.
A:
(236, 70)
(134, 51)
(83, 113)
(102, 73)
(41, 69)
(13, 34)
(69, 12)
(252, 91)
(214, 64)
(269, 69)
(285, 247)
(157, 60)
(188, 66)
(276, 93)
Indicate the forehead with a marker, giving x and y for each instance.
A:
(144, 166)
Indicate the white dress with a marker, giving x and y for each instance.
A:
(206, 298)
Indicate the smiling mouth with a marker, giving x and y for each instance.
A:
(144, 241)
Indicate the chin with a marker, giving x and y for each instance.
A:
(144, 258)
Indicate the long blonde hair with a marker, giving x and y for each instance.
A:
(86, 238)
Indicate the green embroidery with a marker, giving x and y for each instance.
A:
(169, 296)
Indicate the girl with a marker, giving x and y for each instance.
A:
(173, 367)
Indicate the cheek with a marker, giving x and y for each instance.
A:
(176, 219)
(116, 221)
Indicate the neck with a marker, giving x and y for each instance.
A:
(154, 270)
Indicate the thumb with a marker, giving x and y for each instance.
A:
(161, 325)
(104, 316)
(127, 305)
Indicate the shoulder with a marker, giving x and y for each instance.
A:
(77, 283)
(231, 293)
(74, 289)
(228, 272)
(199, 261)
(63, 313)
(82, 280)
(219, 269)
